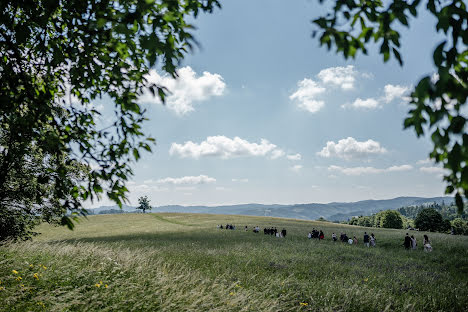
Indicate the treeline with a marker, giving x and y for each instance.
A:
(435, 218)
(448, 211)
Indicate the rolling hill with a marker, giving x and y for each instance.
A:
(335, 211)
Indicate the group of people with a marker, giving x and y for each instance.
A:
(411, 243)
(228, 227)
(274, 231)
(368, 240)
(316, 234)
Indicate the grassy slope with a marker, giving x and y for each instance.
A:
(181, 262)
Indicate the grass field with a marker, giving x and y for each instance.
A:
(181, 262)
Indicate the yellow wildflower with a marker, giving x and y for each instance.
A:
(231, 294)
(44, 267)
(106, 286)
(36, 276)
(19, 278)
(304, 304)
(14, 271)
(41, 304)
(2, 288)
(31, 266)
(366, 279)
(22, 285)
(97, 285)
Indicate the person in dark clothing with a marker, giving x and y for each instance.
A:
(366, 239)
(407, 242)
(283, 232)
(321, 235)
(345, 238)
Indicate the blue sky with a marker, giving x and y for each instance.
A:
(260, 113)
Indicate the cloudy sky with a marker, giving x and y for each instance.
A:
(260, 113)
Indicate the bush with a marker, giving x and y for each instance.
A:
(460, 227)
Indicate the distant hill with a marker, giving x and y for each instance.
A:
(331, 211)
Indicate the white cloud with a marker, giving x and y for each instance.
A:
(240, 180)
(294, 156)
(424, 161)
(193, 180)
(343, 77)
(399, 168)
(224, 147)
(369, 103)
(277, 153)
(355, 171)
(433, 170)
(306, 94)
(296, 168)
(349, 148)
(393, 92)
(186, 89)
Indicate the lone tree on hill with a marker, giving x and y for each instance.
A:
(144, 203)
(437, 101)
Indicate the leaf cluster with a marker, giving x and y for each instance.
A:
(56, 59)
(437, 101)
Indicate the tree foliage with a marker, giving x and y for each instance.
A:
(56, 58)
(391, 219)
(144, 203)
(437, 101)
(429, 219)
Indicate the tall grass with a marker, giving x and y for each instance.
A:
(181, 262)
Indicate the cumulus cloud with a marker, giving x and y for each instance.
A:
(350, 148)
(392, 92)
(356, 171)
(294, 156)
(343, 77)
(369, 103)
(186, 89)
(224, 147)
(305, 95)
(187, 180)
(296, 168)
(433, 170)
(309, 93)
(277, 153)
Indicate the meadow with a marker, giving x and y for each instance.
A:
(181, 262)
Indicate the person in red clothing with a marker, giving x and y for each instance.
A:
(321, 235)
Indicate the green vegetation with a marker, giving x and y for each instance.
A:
(389, 219)
(181, 262)
(437, 100)
(144, 204)
(56, 59)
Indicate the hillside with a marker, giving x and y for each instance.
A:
(181, 262)
(332, 211)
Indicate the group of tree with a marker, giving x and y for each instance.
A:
(447, 210)
(390, 219)
(427, 219)
(58, 57)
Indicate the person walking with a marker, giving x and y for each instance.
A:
(427, 244)
(372, 240)
(366, 239)
(413, 242)
(407, 242)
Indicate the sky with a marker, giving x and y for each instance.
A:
(261, 113)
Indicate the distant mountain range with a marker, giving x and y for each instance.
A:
(331, 211)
